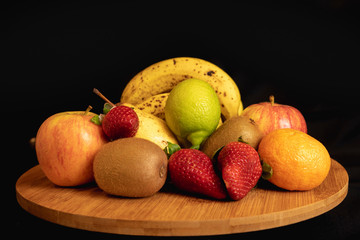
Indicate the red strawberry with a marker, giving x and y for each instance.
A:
(240, 166)
(120, 122)
(193, 171)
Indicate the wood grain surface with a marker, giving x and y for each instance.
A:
(171, 213)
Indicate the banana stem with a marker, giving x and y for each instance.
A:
(97, 92)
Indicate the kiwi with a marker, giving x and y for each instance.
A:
(130, 167)
(233, 129)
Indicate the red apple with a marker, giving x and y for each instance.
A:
(66, 144)
(270, 116)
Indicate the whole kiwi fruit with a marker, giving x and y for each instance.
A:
(233, 129)
(130, 167)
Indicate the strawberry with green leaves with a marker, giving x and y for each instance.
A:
(120, 122)
(117, 121)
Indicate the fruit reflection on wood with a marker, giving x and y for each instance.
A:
(181, 121)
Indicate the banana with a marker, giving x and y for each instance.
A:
(153, 128)
(154, 105)
(161, 77)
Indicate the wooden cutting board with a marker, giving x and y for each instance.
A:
(170, 213)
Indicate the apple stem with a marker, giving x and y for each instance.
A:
(97, 92)
(272, 100)
(88, 110)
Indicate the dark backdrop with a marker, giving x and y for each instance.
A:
(306, 53)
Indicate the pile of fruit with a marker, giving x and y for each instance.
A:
(181, 121)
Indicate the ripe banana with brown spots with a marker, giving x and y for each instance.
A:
(154, 105)
(161, 77)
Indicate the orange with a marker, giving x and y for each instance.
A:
(298, 161)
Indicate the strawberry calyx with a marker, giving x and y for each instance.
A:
(171, 148)
(107, 107)
(97, 119)
(267, 171)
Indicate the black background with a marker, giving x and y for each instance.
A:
(306, 53)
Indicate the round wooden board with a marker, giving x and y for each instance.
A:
(169, 213)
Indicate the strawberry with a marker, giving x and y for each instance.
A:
(193, 171)
(240, 166)
(120, 122)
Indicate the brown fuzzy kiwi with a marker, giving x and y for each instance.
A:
(130, 167)
(233, 129)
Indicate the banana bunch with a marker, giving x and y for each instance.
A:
(148, 90)
(153, 128)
